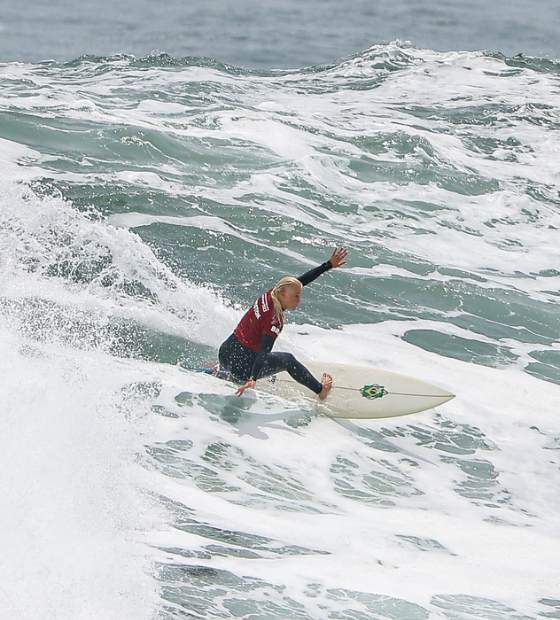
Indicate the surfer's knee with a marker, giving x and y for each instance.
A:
(291, 360)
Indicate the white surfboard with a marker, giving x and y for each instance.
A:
(361, 392)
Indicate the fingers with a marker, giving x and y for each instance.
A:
(342, 253)
(338, 256)
(241, 389)
(246, 386)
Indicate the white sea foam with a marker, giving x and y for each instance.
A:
(445, 513)
(503, 552)
(73, 505)
(511, 560)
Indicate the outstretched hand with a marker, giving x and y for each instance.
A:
(338, 256)
(245, 386)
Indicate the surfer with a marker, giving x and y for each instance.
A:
(247, 354)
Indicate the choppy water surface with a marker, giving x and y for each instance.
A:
(145, 202)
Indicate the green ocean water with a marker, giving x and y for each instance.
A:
(233, 179)
(145, 203)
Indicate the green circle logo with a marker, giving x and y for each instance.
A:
(373, 391)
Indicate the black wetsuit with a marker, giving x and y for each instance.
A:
(244, 363)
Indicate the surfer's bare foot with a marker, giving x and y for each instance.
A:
(326, 382)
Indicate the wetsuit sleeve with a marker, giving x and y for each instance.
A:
(314, 273)
(267, 342)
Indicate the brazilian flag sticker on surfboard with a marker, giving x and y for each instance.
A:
(373, 391)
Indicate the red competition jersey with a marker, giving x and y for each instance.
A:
(258, 321)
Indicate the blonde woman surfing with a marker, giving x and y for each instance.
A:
(247, 354)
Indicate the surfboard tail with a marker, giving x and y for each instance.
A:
(210, 370)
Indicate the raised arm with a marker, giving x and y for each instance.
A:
(337, 259)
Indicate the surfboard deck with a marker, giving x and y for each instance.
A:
(358, 392)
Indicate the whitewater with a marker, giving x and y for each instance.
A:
(145, 203)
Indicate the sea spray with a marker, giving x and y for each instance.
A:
(74, 495)
(149, 202)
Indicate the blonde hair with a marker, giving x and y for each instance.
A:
(282, 285)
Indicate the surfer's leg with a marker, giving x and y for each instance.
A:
(236, 359)
(276, 362)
